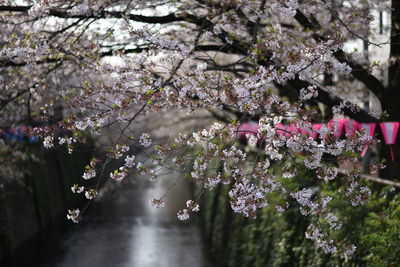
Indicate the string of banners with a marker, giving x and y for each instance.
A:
(17, 134)
(350, 127)
(24, 133)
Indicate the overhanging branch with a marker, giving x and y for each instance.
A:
(101, 15)
(358, 71)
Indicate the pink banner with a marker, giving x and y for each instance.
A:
(337, 125)
(350, 126)
(285, 129)
(316, 128)
(247, 128)
(310, 131)
(389, 130)
(369, 129)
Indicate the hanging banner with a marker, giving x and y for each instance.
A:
(310, 131)
(337, 125)
(316, 128)
(369, 129)
(285, 129)
(389, 130)
(350, 127)
(313, 132)
(247, 128)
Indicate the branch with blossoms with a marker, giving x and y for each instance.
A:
(236, 61)
(193, 89)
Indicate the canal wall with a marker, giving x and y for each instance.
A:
(29, 205)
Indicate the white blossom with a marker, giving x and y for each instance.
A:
(89, 174)
(77, 189)
(183, 215)
(145, 140)
(130, 161)
(48, 141)
(73, 215)
(118, 175)
(90, 194)
(157, 203)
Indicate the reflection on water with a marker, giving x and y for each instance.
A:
(122, 229)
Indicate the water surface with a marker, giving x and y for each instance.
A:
(122, 229)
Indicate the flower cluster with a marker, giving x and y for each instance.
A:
(157, 203)
(90, 171)
(73, 215)
(119, 150)
(315, 233)
(48, 141)
(145, 140)
(77, 189)
(90, 193)
(183, 215)
(191, 206)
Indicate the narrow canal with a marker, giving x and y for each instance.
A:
(121, 228)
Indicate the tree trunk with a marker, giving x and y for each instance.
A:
(391, 98)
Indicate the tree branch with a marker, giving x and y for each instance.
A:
(374, 179)
(358, 71)
(216, 48)
(101, 15)
(330, 100)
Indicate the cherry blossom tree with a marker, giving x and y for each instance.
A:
(112, 63)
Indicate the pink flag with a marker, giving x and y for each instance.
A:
(292, 128)
(337, 125)
(389, 130)
(350, 126)
(247, 128)
(369, 128)
(316, 127)
(254, 127)
(285, 129)
(310, 131)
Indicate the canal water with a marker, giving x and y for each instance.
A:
(121, 228)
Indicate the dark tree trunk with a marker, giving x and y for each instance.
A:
(391, 98)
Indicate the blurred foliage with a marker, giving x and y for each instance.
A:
(278, 239)
(381, 235)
